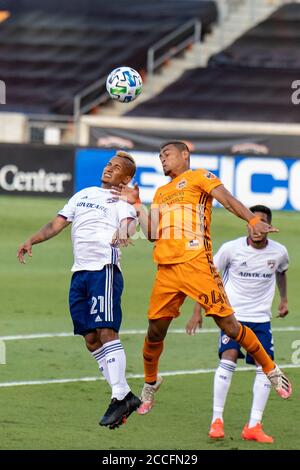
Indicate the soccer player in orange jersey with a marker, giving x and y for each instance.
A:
(179, 224)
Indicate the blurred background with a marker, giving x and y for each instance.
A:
(221, 75)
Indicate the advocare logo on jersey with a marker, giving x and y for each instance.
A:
(13, 179)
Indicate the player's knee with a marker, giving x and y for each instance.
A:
(230, 355)
(106, 335)
(92, 342)
(155, 334)
(158, 329)
(232, 330)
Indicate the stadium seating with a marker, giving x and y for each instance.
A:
(229, 94)
(206, 8)
(249, 81)
(49, 51)
(273, 43)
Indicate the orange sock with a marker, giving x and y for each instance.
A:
(253, 346)
(151, 353)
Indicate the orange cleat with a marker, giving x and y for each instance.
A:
(256, 434)
(216, 429)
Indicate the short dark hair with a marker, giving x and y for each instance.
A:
(129, 162)
(178, 144)
(263, 209)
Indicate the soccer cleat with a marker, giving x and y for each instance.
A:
(216, 429)
(280, 382)
(256, 434)
(119, 410)
(147, 396)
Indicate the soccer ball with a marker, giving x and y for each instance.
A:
(124, 84)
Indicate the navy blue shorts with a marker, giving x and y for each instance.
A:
(95, 299)
(263, 332)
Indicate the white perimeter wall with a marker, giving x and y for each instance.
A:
(13, 128)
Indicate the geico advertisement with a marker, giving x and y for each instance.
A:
(29, 170)
(274, 182)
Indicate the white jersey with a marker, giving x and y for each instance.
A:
(249, 276)
(95, 215)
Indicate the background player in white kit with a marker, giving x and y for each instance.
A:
(98, 220)
(251, 266)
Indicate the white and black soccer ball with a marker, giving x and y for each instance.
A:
(124, 84)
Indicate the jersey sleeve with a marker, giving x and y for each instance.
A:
(68, 211)
(156, 200)
(156, 197)
(206, 180)
(125, 211)
(284, 262)
(222, 258)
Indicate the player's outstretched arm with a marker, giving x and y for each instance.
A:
(256, 225)
(51, 229)
(125, 231)
(195, 321)
(148, 220)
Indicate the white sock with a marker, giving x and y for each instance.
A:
(116, 366)
(99, 355)
(261, 391)
(222, 382)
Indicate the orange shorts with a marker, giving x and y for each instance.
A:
(198, 279)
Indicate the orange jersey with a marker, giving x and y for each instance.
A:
(184, 216)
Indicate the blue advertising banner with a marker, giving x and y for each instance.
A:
(273, 181)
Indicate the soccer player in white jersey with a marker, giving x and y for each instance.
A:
(100, 224)
(251, 267)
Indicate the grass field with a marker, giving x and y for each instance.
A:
(65, 415)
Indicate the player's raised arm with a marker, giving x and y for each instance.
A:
(148, 220)
(125, 231)
(256, 225)
(51, 229)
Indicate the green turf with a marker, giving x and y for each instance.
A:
(34, 299)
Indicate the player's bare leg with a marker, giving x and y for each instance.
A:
(249, 341)
(153, 347)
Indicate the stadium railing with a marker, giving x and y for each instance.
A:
(50, 129)
(169, 46)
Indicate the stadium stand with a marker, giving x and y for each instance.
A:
(229, 94)
(50, 52)
(273, 43)
(249, 81)
(206, 8)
